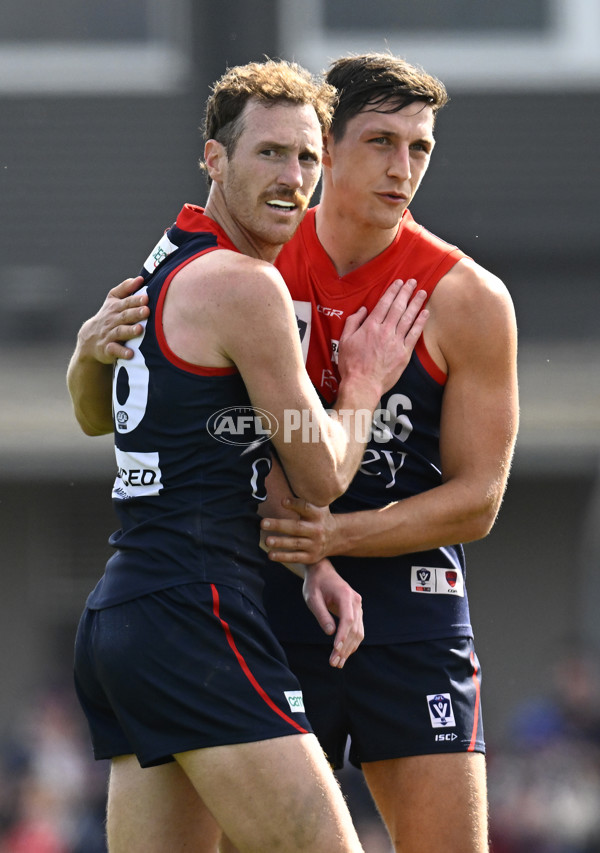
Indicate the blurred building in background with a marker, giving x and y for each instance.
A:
(100, 108)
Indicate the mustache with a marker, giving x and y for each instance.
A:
(298, 198)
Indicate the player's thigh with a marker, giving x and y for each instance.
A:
(156, 810)
(278, 794)
(425, 798)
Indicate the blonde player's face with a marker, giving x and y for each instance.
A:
(273, 171)
(373, 172)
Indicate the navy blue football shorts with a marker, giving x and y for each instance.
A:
(392, 701)
(189, 667)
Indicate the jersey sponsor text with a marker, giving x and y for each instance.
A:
(295, 701)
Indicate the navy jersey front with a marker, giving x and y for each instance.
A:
(191, 465)
(409, 597)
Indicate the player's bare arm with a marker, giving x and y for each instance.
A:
(100, 342)
(472, 336)
(252, 324)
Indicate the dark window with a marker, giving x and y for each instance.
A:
(484, 16)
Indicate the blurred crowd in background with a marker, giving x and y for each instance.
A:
(52, 793)
(544, 777)
(544, 774)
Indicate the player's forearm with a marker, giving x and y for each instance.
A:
(323, 453)
(278, 488)
(89, 384)
(443, 516)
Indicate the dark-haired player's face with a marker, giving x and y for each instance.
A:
(374, 170)
(273, 171)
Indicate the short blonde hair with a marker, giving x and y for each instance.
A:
(269, 82)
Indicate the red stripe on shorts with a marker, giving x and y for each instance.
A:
(246, 669)
(476, 713)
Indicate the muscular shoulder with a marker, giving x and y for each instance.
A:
(471, 287)
(218, 296)
(470, 308)
(232, 275)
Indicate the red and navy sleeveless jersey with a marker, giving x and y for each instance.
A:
(191, 463)
(409, 597)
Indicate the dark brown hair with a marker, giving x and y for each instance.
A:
(381, 82)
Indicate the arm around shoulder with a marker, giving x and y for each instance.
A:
(100, 341)
(89, 383)
(259, 334)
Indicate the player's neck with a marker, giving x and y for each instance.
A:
(348, 243)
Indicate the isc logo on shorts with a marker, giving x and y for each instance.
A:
(440, 710)
(295, 700)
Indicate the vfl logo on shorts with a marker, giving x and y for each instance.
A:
(440, 710)
(295, 701)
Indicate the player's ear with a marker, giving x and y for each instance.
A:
(215, 159)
